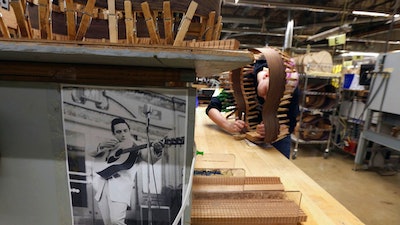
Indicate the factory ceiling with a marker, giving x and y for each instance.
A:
(259, 23)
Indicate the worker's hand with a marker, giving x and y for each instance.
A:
(237, 126)
(108, 145)
(260, 129)
(283, 129)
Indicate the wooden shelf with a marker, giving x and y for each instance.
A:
(69, 56)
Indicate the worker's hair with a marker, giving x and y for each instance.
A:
(259, 65)
(117, 121)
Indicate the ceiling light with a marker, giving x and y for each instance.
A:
(236, 1)
(334, 31)
(373, 54)
(365, 13)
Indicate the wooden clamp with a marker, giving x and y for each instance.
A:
(169, 35)
(86, 19)
(3, 28)
(130, 23)
(150, 23)
(185, 23)
(210, 26)
(70, 14)
(21, 20)
(217, 29)
(112, 22)
(45, 25)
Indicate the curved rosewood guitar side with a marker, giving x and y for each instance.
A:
(277, 82)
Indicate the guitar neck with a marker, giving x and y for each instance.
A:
(167, 142)
(134, 148)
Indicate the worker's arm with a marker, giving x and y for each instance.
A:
(230, 126)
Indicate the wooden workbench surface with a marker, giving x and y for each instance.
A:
(318, 204)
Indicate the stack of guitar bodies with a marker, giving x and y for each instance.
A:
(320, 95)
(316, 63)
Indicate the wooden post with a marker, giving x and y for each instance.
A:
(112, 22)
(185, 23)
(150, 23)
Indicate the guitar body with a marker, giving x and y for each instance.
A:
(110, 163)
(122, 159)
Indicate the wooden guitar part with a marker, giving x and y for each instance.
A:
(245, 95)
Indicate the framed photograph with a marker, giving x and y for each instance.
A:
(127, 151)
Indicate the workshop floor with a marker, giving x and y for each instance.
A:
(373, 198)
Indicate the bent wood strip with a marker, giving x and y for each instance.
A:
(277, 82)
(236, 78)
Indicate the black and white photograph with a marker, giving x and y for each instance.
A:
(126, 153)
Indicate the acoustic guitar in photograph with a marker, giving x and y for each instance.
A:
(113, 161)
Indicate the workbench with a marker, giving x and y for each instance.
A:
(318, 204)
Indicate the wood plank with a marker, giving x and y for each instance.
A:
(86, 19)
(20, 16)
(128, 21)
(112, 22)
(169, 36)
(229, 44)
(3, 28)
(150, 23)
(185, 23)
(70, 14)
(92, 74)
(206, 62)
(210, 26)
(45, 19)
(217, 29)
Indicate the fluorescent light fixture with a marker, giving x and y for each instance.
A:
(366, 13)
(334, 31)
(236, 1)
(373, 54)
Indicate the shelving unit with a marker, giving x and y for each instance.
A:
(350, 119)
(319, 95)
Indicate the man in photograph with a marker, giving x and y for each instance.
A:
(115, 171)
